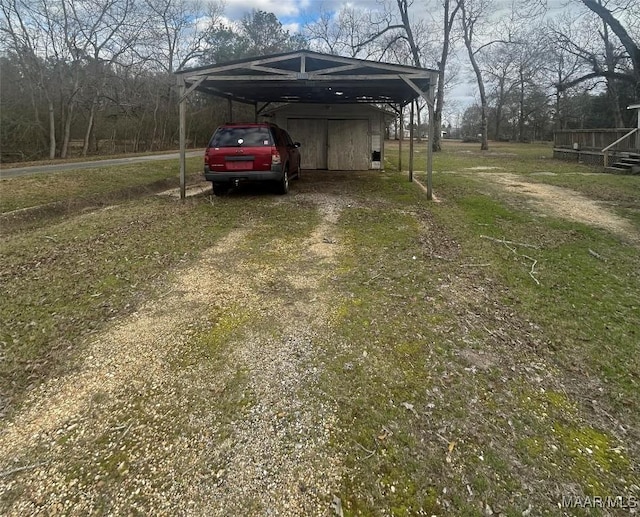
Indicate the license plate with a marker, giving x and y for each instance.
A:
(239, 166)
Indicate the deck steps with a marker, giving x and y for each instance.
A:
(628, 163)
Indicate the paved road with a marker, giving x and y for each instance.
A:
(36, 169)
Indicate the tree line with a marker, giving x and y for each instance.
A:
(82, 77)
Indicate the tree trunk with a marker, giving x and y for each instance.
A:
(484, 125)
(52, 130)
(449, 19)
(66, 137)
(403, 7)
(155, 123)
(467, 35)
(499, 104)
(521, 109)
(612, 89)
(113, 141)
(89, 131)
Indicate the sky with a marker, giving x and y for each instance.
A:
(289, 11)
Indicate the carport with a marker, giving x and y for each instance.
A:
(311, 78)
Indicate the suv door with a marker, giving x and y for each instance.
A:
(294, 154)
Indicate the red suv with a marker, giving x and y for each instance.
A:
(251, 152)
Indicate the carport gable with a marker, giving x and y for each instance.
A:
(310, 77)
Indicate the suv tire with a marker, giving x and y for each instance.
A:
(283, 184)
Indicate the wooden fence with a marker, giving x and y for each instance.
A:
(595, 139)
(587, 145)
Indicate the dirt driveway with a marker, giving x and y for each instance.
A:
(274, 458)
(562, 202)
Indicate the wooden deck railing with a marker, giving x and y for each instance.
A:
(607, 149)
(595, 146)
(594, 139)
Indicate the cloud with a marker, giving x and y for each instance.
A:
(235, 9)
(293, 27)
(291, 12)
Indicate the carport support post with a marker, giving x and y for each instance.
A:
(428, 97)
(411, 115)
(400, 139)
(430, 150)
(182, 109)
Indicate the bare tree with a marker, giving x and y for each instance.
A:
(561, 65)
(354, 32)
(450, 10)
(626, 65)
(27, 34)
(109, 30)
(178, 31)
(530, 52)
(499, 66)
(472, 13)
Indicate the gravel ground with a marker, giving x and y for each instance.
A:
(135, 429)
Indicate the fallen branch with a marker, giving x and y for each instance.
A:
(20, 469)
(503, 241)
(533, 261)
(596, 255)
(371, 453)
(122, 436)
(533, 266)
(372, 279)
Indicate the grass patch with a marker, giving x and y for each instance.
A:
(591, 304)
(70, 278)
(446, 357)
(60, 187)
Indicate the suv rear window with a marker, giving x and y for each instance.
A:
(250, 137)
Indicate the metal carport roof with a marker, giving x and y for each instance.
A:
(309, 77)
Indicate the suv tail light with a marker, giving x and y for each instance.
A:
(206, 157)
(275, 157)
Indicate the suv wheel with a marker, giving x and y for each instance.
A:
(283, 184)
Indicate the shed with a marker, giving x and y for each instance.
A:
(308, 77)
(336, 136)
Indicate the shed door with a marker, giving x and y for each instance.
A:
(312, 134)
(349, 147)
